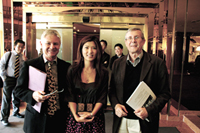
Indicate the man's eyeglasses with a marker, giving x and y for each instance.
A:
(130, 38)
(56, 91)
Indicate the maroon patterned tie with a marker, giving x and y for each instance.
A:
(52, 102)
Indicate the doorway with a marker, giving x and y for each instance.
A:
(81, 30)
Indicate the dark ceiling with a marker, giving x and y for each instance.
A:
(139, 8)
(192, 20)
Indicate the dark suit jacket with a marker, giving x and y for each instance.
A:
(113, 59)
(105, 57)
(154, 74)
(1, 82)
(36, 122)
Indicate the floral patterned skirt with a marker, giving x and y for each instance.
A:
(96, 126)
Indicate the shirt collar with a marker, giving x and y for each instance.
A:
(137, 60)
(118, 56)
(15, 53)
(45, 60)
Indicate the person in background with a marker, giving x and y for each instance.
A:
(88, 87)
(5, 50)
(1, 83)
(118, 53)
(127, 73)
(53, 113)
(105, 56)
(9, 76)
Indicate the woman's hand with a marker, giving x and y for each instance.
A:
(84, 117)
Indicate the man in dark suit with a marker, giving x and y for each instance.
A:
(49, 119)
(127, 73)
(1, 82)
(118, 53)
(105, 57)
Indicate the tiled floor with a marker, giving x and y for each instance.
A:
(181, 126)
(182, 120)
(173, 120)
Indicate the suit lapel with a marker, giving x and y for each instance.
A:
(145, 66)
(123, 69)
(59, 71)
(58, 67)
(40, 64)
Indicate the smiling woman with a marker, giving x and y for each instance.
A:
(89, 51)
(88, 85)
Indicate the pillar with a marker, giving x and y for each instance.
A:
(1, 30)
(179, 52)
(164, 35)
(156, 32)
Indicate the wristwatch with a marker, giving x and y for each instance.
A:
(91, 115)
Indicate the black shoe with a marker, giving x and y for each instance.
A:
(5, 122)
(18, 115)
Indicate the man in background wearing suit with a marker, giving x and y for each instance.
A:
(49, 119)
(118, 53)
(127, 72)
(105, 57)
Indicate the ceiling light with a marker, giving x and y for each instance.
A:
(198, 48)
(96, 24)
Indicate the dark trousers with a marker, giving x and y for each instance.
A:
(8, 87)
(57, 123)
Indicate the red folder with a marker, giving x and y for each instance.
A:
(37, 81)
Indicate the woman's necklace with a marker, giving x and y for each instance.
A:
(88, 76)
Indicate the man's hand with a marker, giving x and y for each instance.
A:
(120, 110)
(39, 96)
(141, 113)
(24, 56)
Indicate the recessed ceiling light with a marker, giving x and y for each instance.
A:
(198, 48)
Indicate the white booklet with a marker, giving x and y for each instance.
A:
(143, 96)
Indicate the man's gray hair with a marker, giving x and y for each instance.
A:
(50, 32)
(134, 29)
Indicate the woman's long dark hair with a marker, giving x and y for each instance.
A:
(79, 63)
